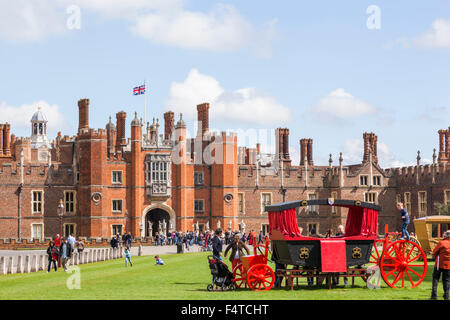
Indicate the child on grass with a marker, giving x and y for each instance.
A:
(127, 256)
(159, 261)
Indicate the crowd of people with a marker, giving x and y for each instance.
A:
(60, 251)
(204, 238)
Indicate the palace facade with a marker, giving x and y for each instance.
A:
(108, 183)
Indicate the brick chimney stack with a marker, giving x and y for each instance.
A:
(168, 124)
(444, 146)
(306, 151)
(83, 114)
(6, 140)
(203, 119)
(370, 143)
(310, 152)
(282, 140)
(121, 141)
(303, 151)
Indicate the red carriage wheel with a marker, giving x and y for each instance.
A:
(377, 251)
(238, 275)
(403, 263)
(260, 277)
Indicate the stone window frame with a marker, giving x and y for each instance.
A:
(366, 176)
(42, 230)
(377, 176)
(121, 176)
(447, 197)
(121, 229)
(41, 202)
(74, 202)
(407, 204)
(156, 171)
(74, 228)
(310, 207)
(241, 194)
(311, 223)
(262, 228)
(196, 181)
(422, 203)
(263, 203)
(112, 206)
(334, 209)
(398, 198)
(371, 192)
(202, 201)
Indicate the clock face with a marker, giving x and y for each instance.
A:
(42, 156)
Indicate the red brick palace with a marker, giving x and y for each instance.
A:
(110, 184)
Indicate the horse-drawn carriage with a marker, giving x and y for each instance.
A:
(296, 256)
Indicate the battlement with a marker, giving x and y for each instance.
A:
(92, 134)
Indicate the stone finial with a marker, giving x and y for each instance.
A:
(418, 157)
(434, 155)
(340, 158)
(330, 160)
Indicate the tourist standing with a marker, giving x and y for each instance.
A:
(237, 250)
(65, 253)
(128, 257)
(80, 247)
(441, 254)
(113, 242)
(52, 252)
(71, 240)
(217, 248)
(405, 220)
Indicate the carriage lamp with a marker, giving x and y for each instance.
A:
(60, 214)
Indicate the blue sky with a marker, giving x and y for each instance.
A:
(314, 67)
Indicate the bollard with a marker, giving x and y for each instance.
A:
(2, 265)
(44, 262)
(27, 264)
(20, 266)
(11, 267)
(140, 250)
(35, 267)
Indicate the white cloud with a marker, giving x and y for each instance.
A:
(165, 22)
(19, 116)
(243, 105)
(24, 20)
(437, 37)
(222, 29)
(340, 105)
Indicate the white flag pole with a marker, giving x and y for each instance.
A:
(145, 104)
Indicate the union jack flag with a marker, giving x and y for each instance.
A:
(139, 90)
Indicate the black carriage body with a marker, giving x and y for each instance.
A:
(307, 253)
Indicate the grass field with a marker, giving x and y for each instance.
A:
(183, 277)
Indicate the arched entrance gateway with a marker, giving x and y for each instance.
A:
(158, 218)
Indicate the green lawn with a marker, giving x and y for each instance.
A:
(183, 277)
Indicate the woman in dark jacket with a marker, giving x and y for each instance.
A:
(237, 250)
(53, 255)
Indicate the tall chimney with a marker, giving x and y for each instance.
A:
(168, 124)
(83, 114)
(286, 143)
(120, 126)
(370, 143)
(303, 150)
(310, 152)
(447, 146)
(279, 136)
(203, 119)
(1, 139)
(6, 141)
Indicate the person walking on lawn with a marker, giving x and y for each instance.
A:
(128, 257)
(441, 254)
